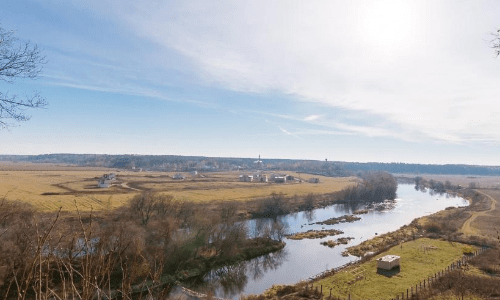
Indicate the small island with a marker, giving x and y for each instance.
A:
(314, 234)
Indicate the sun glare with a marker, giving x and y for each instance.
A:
(388, 27)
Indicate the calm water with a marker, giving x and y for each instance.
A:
(305, 258)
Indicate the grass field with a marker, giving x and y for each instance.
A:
(419, 259)
(49, 187)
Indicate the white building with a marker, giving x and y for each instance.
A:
(246, 178)
(179, 176)
(279, 179)
(388, 262)
(104, 183)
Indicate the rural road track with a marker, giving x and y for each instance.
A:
(124, 184)
(467, 228)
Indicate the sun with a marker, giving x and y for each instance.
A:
(389, 27)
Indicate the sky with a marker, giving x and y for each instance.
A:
(370, 81)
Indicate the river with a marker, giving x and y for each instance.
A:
(301, 259)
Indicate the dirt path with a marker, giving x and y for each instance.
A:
(124, 185)
(467, 228)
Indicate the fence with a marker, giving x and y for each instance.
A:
(412, 292)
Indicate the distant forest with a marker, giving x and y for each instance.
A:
(176, 163)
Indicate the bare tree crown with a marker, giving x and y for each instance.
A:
(18, 60)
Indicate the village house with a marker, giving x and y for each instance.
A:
(106, 180)
(246, 178)
(280, 179)
(179, 176)
(104, 183)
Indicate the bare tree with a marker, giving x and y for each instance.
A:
(18, 59)
(495, 43)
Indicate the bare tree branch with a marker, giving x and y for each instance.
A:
(18, 59)
(495, 43)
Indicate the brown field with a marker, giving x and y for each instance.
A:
(485, 223)
(49, 186)
(484, 220)
(464, 180)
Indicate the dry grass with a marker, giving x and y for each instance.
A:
(48, 186)
(463, 180)
(417, 263)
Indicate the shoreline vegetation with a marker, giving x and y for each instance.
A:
(478, 280)
(314, 234)
(342, 219)
(147, 245)
(339, 241)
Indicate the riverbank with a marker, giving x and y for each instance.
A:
(416, 200)
(446, 224)
(249, 249)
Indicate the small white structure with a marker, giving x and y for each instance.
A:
(179, 176)
(193, 173)
(104, 183)
(260, 177)
(388, 262)
(314, 180)
(106, 180)
(246, 178)
(279, 179)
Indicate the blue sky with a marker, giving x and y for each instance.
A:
(390, 81)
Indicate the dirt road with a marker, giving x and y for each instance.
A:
(467, 228)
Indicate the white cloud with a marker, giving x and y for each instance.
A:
(312, 118)
(424, 66)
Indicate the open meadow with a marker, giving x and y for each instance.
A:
(420, 259)
(48, 186)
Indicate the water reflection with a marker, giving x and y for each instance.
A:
(305, 258)
(230, 281)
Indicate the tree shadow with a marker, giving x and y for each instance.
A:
(389, 273)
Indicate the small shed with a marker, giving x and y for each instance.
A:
(388, 262)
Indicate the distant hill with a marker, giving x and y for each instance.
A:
(177, 163)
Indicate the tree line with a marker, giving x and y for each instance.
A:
(178, 163)
(138, 250)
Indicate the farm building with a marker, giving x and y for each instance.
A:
(106, 180)
(179, 176)
(388, 262)
(279, 179)
(110, 176)
(104, 183)
(246, 178)
(314, 180)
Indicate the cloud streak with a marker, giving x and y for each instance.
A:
(394, 62)
(422, 66)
